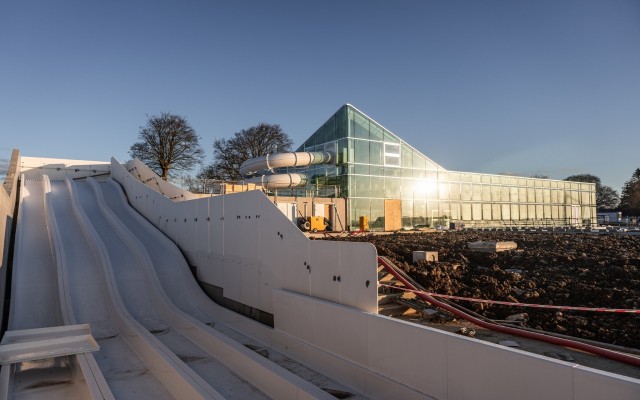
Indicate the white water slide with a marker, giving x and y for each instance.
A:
(160, 336)
(255, 169)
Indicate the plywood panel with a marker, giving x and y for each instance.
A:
(392, 215)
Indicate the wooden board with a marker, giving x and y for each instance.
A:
(392, 215)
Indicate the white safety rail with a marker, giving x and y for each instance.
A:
(144, 174)
(250, 250)
(218, 359)
(59, 168)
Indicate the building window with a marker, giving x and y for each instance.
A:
(392, 154)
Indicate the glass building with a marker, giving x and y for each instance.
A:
(395, 186)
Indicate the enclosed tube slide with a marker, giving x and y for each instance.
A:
(254, 168)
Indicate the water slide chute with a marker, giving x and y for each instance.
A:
(254, 169)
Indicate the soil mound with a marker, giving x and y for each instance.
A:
(566, 269)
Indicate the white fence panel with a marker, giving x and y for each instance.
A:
(324, 270)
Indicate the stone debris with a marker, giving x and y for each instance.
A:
(429, 313)
(492, 247)
(464, 331)
(429, 256)
(520, 317)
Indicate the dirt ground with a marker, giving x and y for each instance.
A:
(569, 269)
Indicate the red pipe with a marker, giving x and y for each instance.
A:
(613, 355)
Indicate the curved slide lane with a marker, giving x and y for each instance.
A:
(169, 270)
(38, 300)
(134, 363)
(233, 369)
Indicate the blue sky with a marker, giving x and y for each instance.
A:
(547, 87)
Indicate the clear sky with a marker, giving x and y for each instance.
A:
(548, 86)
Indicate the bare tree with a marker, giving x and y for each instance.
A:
(630, 200)
(167, 143)
(229, 154)
(606, 197)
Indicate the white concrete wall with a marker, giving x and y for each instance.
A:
(59, 168)
(244, 244)
(435, 363)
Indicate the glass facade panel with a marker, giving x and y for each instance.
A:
(486, 192)
(360, 151)
(476, 192)
(359, 207)
(375, 153)
(466, 211)
(376, 218)
(496, 211)
(391, 154)
(506, 211)
(486, 211)
(465, 191)
(362, 186)
(419, 161)
(407, 213)
(373, 164)
(392, 188)
(376, 132)
(390, 138)
(360, 127)
(419, 213)
(360, 169)
(496, 193)
(515, 212)
(377, 188)
(443, 190)
(407, 156)
(476, 211)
